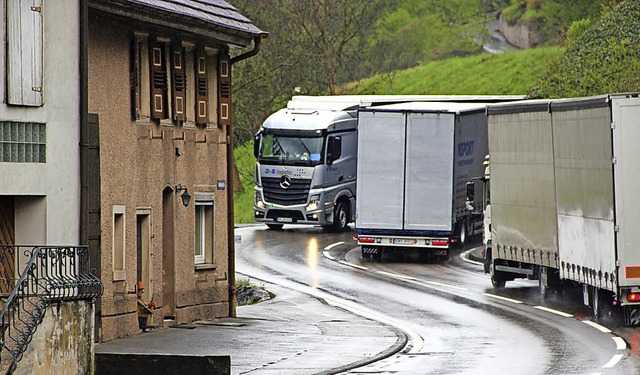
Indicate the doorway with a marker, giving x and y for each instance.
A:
(168, 255)
(7, 242)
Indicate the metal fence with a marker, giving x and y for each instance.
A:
(50, 274)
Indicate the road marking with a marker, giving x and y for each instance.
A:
(614, 361)
(464, 257)
(597, 326)
(562, 314)
(396, 275)
(333, 245)
(620, 343)
(352, 265)
(502, 298)
(445, 285)
(327, 255)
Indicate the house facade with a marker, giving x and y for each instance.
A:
(155, 162)
(39, 133)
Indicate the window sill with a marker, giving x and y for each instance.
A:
(205, 266)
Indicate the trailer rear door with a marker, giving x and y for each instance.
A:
(380, 175)
(429, 171)
(626, 137)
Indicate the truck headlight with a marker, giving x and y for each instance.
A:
(314, 203)
(258, 201)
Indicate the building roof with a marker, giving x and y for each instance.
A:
(215, 18)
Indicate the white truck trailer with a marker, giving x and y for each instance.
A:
(414, 160)
(306, 158)
(563, 209)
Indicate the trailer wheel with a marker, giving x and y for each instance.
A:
(340, 217)
(496, 279)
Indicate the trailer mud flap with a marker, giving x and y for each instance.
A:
(441, 253)
(373, 250)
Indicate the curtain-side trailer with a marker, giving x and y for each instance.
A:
(564, 174)
(414, 160)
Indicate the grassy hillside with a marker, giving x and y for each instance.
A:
(512, 73)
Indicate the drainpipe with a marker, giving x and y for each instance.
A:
(230, 191)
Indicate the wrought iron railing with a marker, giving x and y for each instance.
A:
(51, 274)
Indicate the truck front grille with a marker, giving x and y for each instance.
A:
(297, 193)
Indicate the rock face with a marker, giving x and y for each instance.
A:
(522, 34)
(248, 295)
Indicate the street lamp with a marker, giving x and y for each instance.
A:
(186, 197)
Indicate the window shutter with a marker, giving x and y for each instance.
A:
(179, 83)
(224, 90)
(24, 52)
(202, 89)
(158, 81)
(135, 79)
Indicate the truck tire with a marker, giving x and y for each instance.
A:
(497, 280)
(275, 226)
(340, 217)
(463, 233)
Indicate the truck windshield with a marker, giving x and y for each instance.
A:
(291, 149)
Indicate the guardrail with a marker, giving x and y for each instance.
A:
(51, 274)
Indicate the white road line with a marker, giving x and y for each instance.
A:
(620, 343)
(396, 275)
(327, 255)
(562, 314)
(352, 265)
(502, 298)
(445, 285)
(614, 361)
(597, 326)
(464, 257)
(333, 245)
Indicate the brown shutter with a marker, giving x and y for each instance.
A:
(202, 89)
(179, 82)
(135, 79)
(158, 81)
(224, 90)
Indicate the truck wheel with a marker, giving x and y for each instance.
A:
(340, 217)
(496, 279)
(463, 233)
(275, 226)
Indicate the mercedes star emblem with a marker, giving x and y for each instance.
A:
(285, 182)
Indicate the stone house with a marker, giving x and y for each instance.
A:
(156, 156)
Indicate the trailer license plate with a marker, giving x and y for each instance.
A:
(284, 220)
(402, 241)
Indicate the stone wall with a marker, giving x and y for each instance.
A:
(522, 34)
(63, 342)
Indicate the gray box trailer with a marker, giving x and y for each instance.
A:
(564, 174)
(414, 160)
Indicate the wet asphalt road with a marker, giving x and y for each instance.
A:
(456, 322)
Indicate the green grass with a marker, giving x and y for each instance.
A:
(510, 73)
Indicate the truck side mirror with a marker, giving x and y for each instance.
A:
(471, 189)
(256, 145)
(334, 149)
(470, 193)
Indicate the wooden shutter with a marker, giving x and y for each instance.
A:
(158, 70)
(24, 52)
(224, 90)
(202, 89)
(178, 83)
(135, 79)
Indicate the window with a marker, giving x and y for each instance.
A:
(24, 52)
(202, 89)
(23, 142)
(224, 88)
(204, 230)
(178, 83)
(118, 246)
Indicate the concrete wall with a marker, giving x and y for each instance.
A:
(63, 342)
(56, 182)
(139, 160)
(522, 34)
